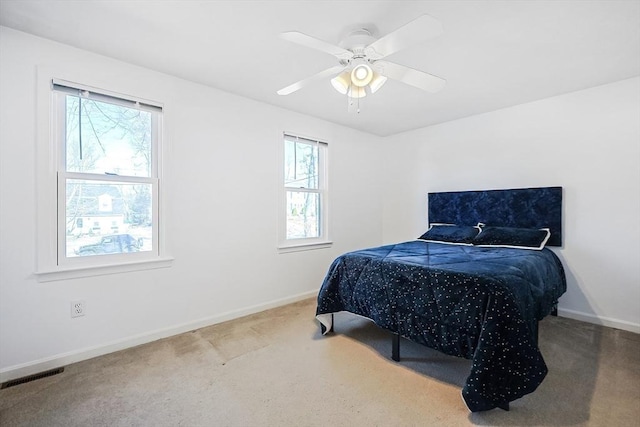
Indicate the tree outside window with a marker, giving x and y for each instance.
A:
(304, 183)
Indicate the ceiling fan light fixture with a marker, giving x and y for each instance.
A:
(341, 82)
(361, 75)
(356, 92)
(376, 82)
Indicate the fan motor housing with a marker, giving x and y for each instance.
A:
(357, 40)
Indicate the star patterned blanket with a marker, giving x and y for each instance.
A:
(474, 302)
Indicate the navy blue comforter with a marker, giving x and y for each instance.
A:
(478, 303)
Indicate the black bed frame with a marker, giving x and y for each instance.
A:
(539, 207)
(395, 339)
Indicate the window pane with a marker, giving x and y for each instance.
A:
(106, 218)
(107, 138)
(303, 215)
(300, 165)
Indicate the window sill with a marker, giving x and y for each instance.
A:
(283, 249)
(63, 273)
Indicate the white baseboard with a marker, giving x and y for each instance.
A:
(37, 366)
(604, 321)
(30, 368)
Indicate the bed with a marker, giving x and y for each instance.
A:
(473, 294)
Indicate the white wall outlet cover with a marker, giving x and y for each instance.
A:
(78, 308)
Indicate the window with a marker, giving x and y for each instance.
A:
(106, 150)
(305, 192)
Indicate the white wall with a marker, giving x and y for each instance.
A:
(222, 163)
(587, 142)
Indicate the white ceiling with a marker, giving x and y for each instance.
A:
(493, 54)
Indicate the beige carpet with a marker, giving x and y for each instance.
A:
(274, 369)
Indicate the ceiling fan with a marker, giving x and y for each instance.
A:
(361, 68)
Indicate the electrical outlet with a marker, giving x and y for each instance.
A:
(78, 308)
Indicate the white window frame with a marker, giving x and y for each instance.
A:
(299, 244)
(52, 262)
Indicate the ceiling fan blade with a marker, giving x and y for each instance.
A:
(312, 42)
(302, 83)
(417, 31)
(410, 76)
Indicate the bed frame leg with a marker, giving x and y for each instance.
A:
(395, 347)
(504, 406)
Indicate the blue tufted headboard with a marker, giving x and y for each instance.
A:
(520, 207)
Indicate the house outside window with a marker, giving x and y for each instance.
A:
(305, 195)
